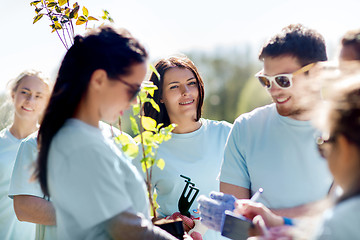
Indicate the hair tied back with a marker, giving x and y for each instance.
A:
(78, 40)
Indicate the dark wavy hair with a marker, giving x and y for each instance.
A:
(162, 66)
(343, 118)
(352, 38)
(114, 51)
(307, 45)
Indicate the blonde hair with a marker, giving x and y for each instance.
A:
(13, 84)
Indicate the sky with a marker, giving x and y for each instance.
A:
(168, 27)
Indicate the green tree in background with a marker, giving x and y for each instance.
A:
(230, 85)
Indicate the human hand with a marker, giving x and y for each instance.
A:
(261, 232)
(212, 210)
(250, 209)
(188, 224)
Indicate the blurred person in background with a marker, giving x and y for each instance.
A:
(350, 46)
(29, 93)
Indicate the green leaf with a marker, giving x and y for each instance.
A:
(38, 17)
(131, 150)
(148, 123)
(62, 2)
(52, 4)
(149, 151)
(34, 3)
(85, 11)
(154, 105)
(92, 18)
(148, 138)
(136, 109)
(74, 12)
(153, 69)
(150, 88)
(142, 95)
(134, 126)
(160, 163)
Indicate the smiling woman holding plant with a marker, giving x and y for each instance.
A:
(196, 147)
(96, 191)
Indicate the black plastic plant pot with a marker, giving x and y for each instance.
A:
(175, 228)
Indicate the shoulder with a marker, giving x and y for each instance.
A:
(76, 135)
(4, 133)
(339, 221)
(259, 112)
(110, 132)
(216, 124)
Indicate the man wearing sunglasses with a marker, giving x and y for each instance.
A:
(273, 147)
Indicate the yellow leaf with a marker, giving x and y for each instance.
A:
(153, 69)
(122, 139)
(85, 11)
(131, 150)
(92, 18)
(80, 21)
(58, 25)
(62, 2)
(160, 163)
(148, 123)
(154, 105)
(38, 17)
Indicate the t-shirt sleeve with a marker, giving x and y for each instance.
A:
(90, 185)
(24, 167)
(234, 168)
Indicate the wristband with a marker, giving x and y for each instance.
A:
(288, 221)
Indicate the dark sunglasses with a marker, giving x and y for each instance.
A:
(321, 143)
(133, 88)
(281, 80)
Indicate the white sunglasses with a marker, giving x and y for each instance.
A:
(281, 80)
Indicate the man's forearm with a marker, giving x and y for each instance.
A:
(306, 210)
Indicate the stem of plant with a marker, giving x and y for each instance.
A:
(148, 178)
(49, 15)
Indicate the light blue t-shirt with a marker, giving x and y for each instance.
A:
(21, 184)
(341, 222)
(10, 226)
(276, 153)
(90, 181)
(24, 168)
(196, 155)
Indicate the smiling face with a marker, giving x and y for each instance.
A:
(286, 100)
(30, 98)
(180, 94)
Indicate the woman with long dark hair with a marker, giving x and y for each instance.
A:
(96, 191)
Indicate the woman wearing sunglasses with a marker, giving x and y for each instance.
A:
(340, 146)
(197, 145)
(96, 192)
